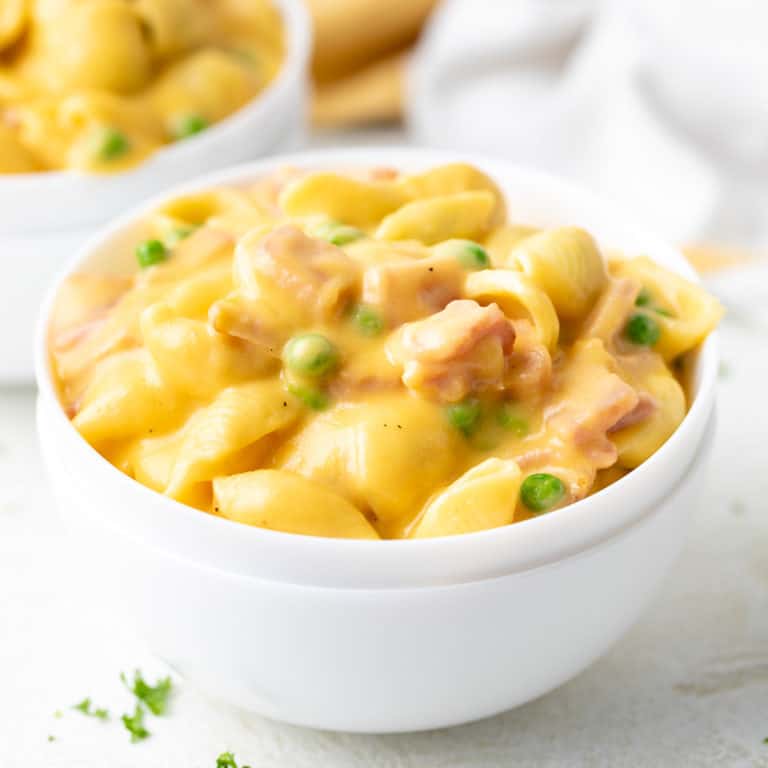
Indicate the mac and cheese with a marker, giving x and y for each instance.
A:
(98, 85)
(373, 355)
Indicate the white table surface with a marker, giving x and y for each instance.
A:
(687, 686)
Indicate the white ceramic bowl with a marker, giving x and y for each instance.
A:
(392, 635)
(44, 217)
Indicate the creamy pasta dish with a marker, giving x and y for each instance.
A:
(373, 355)
(98, 85)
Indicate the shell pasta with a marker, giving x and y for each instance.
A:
(372, 355)
(98, 85)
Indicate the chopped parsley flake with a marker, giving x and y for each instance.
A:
(154, 697)
(86, 707)
(134, 724)
(227, 760)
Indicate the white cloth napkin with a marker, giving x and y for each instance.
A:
(659, 104)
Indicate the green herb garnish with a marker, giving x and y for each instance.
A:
(227, 760)
(86, 707)
(154, 697)
(134, 724)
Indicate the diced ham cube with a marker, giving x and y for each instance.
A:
(591, 400)
(409, 289)
(462, 349)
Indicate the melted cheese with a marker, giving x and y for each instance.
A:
(458, 372)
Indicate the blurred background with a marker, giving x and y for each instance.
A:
(661, 106)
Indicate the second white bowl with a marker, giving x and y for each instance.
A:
(44, 217)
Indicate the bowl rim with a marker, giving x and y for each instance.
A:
(518, 547)
(298, 38)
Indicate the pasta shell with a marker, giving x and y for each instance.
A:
(239, 417)
(452, 178)
(483, 497)
(283, 501)
(566, 264)
(502, 240)
(351, 201)
(640, 441)
(126, 398)
(434, 219)
(517, 296)
(689, 314)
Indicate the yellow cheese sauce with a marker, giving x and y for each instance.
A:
(372, 355)
(99, 85)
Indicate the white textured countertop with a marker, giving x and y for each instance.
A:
(688, 686)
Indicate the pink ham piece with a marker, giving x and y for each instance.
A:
(409, 289)
(644, 409)
(286, 280)
(529, 368)
(462, 349)
(591, 400)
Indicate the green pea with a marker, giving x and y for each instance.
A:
(313, 398)
(663, 312)
(112, 144)
(464, 416)
(189, 125)
(642, 330)
(244, 56)
(510, 419)
(368, 321)
(471, 255)
(151, 252)
(339, 234)
(178, 234)
(310, 354)
(644, 298)
(541, 491)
